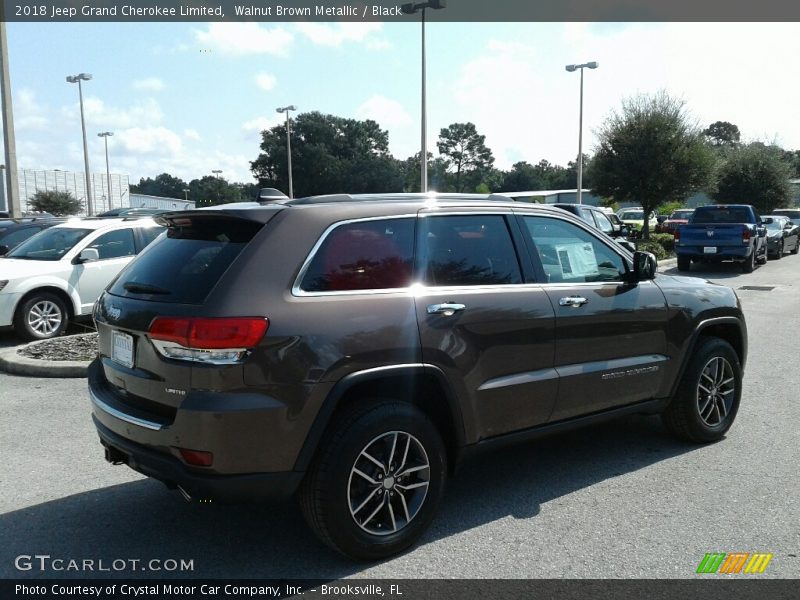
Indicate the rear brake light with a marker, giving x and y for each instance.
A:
(197, 458)
(676, 235)
(213, 340)
(746, 233)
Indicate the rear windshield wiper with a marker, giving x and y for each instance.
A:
(144, 288)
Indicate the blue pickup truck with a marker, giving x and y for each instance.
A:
(722, 232)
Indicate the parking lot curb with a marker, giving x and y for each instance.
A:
(667, 263)
(14, 363)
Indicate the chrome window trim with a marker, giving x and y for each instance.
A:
(299, 292)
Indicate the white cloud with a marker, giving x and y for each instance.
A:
(149, 84)
(387, 112)
(265, 81)
(259, 124)
(150, 140)
(239, 39)
(191, 134)
(335, 35)
(141, 113)
(28, 113)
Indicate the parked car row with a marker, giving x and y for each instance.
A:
(56, 274)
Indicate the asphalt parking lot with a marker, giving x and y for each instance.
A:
(622, 500)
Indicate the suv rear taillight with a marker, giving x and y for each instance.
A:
(676, 235)
(746, 233)
(223, 340)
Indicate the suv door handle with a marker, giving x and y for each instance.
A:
(574, 301)
(448, 309)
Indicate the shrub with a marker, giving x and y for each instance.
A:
(652, 246)
(666, 240)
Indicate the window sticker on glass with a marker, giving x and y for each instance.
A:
(577, 260)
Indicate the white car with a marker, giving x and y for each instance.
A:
(57, 274)
(634, 218)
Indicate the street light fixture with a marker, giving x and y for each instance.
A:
(410, 9)
(105, 135)
(186, 194)
(287, 109)
(571, 69)
(216, 173)
(77, 79)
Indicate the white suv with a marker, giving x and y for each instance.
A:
(57, 274)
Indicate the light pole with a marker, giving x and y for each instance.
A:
(11, 201)
(105, 135)
(186, 194)
(287, 109)
(571, 68)
(3, 189)
(77, 79)
(410, 9)
(216, 172)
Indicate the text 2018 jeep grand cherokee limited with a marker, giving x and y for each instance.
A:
(351, 349)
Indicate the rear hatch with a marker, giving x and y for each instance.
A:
(155, 308)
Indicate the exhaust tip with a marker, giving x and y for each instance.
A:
(186, 495)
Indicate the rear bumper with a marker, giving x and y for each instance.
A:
(169, 470)
(734, 253)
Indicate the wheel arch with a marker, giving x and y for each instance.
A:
(422, 385)
(65, 297)
(730, 329)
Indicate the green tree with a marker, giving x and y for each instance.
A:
(56, 203)
(722, 133)
(792, 160)
(165, 185)
(522, 177)
(210, 190)
(465, 153)
(649, 152)
(755, 174)
(330, 155)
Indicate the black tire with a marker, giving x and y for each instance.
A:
(779, 253)
(762, 260)
(749, 265)
(41, 316)
(684, 417)
(684, 263)
(796, 248)
(330, 491)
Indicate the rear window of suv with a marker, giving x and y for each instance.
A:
(704, 215)
(184, 266)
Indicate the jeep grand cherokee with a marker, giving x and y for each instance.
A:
(352, 349)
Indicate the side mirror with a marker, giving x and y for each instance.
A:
(788, 225)
(4, 250)
(88, 255)
(645, 266)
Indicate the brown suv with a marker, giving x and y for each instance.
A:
(352, 349)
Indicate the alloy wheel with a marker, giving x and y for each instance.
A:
(45, 317)
(715, 391)
(388, 483)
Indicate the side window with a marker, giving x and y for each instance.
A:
(467, 250)
(366, 255)
(115, 244)
(19, 236)
(571, 255)
(149, 234)
(603, 224)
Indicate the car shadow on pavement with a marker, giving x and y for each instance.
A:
(142, 520)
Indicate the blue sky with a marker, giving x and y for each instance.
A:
(188, 98)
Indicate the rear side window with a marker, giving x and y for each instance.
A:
(365, 255)
(468, 250)
(185, 265)
(20, 235)
(149, 234)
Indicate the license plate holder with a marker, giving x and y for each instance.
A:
(710, 250)
(122, 348)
